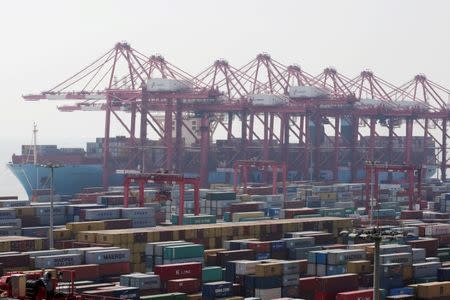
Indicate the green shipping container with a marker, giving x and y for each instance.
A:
(184, 251)
(218, 196)
(170, 296)
(443, 254)
(210, 274)
(307, 216)
(192, 219)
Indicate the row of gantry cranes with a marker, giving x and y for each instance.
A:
(263, 110)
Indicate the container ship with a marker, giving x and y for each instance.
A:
(82, 167)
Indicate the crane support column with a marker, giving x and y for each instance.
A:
(244, 135)
(444, 150)
(408, 144)
(266, 143)
(105, 178)
(204, 149)
(178, 137)
(371, 151)
(143, 133)
(336, 149)
(353, 143)
(168, 135)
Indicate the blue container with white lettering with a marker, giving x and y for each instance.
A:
(218, 289)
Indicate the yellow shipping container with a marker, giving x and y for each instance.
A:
(327, 196)
(236, 217)
(27, 211)
(407, 271)
(359, 267)
(86, 236)
(62, 234)
(433, 290)
(269, 269)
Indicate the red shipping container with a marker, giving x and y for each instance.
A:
(15, 260)
(243, 207)
(259, 246)
(337, 283)
(429, 244)
(307, 288)
(324, 296)
(114, 269)
(411, 214)
(294, 204)
(292, 212)
(184, 285)
(177, 271)
(356, 295)
(82, 272)
(118, 224)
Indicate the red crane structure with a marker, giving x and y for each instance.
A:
(373, 171)
(143, 178)
(244, 165)
(347, 122)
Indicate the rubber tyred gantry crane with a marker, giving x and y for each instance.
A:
(264, 165)
(143, 178)
(373, 170)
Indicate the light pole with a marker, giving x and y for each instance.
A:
(374, 235)
(51, 166)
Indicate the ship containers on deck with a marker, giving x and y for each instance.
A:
(356, 295)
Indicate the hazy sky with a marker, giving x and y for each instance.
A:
(43, 42)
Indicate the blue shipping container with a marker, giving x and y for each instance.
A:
(401, 291)
(219, 289)
(267, 282)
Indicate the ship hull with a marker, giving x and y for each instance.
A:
(67, 180)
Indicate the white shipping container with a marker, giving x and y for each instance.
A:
(439, 229)
(14, 203)
(7, 213)
(145, 281)
(10, 230)
(267, 100)
(341, 257)
(107, 256)
(11, 222)
(268, 294)
(397, 258)
(395, 248)
(50, 252)
(311, 270)
(45, 262)
(304, 91)
(419, 255)
(246, 267)
(291, 267)
(168, 85)
(290, 279)
(143, 222)
(426, 269)
(97, 214)
(138, 212)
